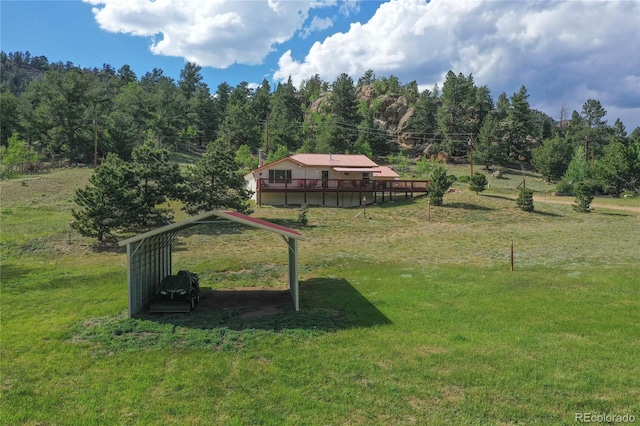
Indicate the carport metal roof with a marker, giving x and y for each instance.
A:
(149, 254)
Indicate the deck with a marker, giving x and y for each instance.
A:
(375, 190)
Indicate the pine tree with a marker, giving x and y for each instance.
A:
(615, 170)
(519, 126)
(584, 196)
(215, 182)
(488, 149)
(372, 138)
(525, 200)
(552, 158)
(285, 121)
(478, 182)
(344, 108)
(158, 180)
(111, 203)
(438, 185)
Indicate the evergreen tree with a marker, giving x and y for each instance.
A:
(190, 79)
(167, 107)
(579, 169)
(502, 107)
(372, 138)
(111, 203)
(615, 170)
(438, 185)
(424, 122)
(280, 152)
(215, 182)
(525, 200)
(489, 147)
(595, 128)
(311, 89)
(367, 78)
(344, 108)
(221, 102)
(456, 111)
(285, 121)
(584, 196)
(262, 101)
(124, 127)
(9, 116)
(202, 115)
(478, 182)
(245, 159)
(62, 113)
(519, 126)
(240, 125)
(552, 158)
(158, 180)
(125, 75)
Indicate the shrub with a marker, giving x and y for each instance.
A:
(564, 188)
(400, 160)
(478, 182)
(525, 200)
(302, 215)
(424, 167)
(583, 193)
(438, 185)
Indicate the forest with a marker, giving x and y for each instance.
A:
(59, 114)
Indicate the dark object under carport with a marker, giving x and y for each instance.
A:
(177, 293)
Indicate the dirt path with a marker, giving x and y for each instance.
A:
(595, 204)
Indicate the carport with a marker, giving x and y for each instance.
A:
(149, 255)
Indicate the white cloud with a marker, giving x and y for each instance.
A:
(350, 7)
(211, 33)
(317, 24)
(561, 51)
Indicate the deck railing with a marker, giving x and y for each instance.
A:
(347, 185)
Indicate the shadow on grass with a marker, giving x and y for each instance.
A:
(501, 197)
(467, 206)
(14, 272)
(325, 305)
(610, 213)
(548, 214)
(396, 201)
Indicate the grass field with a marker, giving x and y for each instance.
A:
(402, 321)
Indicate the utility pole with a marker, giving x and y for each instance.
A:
(267, 131)
(471, 152)
(95, 139)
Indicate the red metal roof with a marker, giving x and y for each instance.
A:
(332, 160)
(385, 172)
(357, 169)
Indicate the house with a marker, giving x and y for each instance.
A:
(327, 179)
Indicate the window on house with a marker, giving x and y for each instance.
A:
(366, 176)
(279, 176)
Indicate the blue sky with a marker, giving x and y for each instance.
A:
(563, 52)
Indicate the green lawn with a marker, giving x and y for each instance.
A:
(402, 321)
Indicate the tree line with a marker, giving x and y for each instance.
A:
(59, 112)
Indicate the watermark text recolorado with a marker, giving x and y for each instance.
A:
(604, 418)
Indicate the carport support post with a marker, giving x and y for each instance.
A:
(130, 279)
(293, 272)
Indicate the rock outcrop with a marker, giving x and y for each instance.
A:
(392, 111)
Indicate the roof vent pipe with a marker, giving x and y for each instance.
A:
(329, 156)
